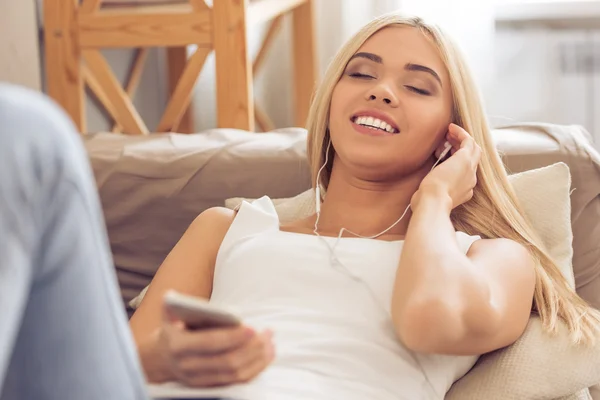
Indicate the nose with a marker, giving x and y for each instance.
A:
(383, 92)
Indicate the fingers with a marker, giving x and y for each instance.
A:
(227, 378)
(460, 136)
(230, 362)
(460, 139)
(210, 341)
(239, 365)
(253, 369)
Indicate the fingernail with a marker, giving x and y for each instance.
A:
(249, 332)
(270, 351)
(179, 324)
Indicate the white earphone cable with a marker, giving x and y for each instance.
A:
(447, 149)
(335, 261)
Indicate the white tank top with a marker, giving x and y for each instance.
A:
(333, 335)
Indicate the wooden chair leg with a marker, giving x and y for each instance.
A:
(177, 60)
(64, 80)
(125, 113)
(182, 93)
(262, 119)
(98, 93)
(305, 60)
(133, 80)
(235, 98)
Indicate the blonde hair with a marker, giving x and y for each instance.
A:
(493, 197)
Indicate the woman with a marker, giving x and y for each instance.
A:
(406, 273)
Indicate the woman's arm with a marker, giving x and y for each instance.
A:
(447, 302)
(188, 269)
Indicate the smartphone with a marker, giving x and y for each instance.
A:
(198, 313)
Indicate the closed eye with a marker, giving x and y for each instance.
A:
(361, 76)
(419, 91)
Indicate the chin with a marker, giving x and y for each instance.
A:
(385, 168)
(376, 168)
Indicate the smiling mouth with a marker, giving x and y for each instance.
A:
(374, 123)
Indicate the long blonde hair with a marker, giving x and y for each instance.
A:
(493, 197)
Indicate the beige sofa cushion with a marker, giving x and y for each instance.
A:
(153, 186)
(537, 366)
(528, 146)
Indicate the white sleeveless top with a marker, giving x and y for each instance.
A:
(333, 333)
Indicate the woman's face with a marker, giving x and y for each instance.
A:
(391, 108)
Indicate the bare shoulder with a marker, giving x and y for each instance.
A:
(214, 218)
(510, 257)
(499, 243)
(216, 215)
(211, 225)
(505, 249)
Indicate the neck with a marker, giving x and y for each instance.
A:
(365, 207)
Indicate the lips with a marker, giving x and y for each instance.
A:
(370, 131)
(375, 120)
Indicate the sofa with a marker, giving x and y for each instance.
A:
(153, 186)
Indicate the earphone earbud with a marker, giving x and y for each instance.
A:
(447, 148)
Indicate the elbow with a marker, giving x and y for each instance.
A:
(423, 326)
(440, 326)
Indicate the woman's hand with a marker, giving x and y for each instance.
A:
(456, 177)
(213, 357)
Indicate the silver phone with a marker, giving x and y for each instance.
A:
(198, 313)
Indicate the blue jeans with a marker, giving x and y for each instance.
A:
(63, 328)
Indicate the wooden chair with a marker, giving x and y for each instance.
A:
(75, 32)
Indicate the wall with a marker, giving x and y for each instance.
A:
(549, 76)
(19, 51)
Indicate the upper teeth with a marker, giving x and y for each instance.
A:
(375, 123)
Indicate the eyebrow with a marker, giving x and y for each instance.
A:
(422, 68)
(368, 56)
(408, 67)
